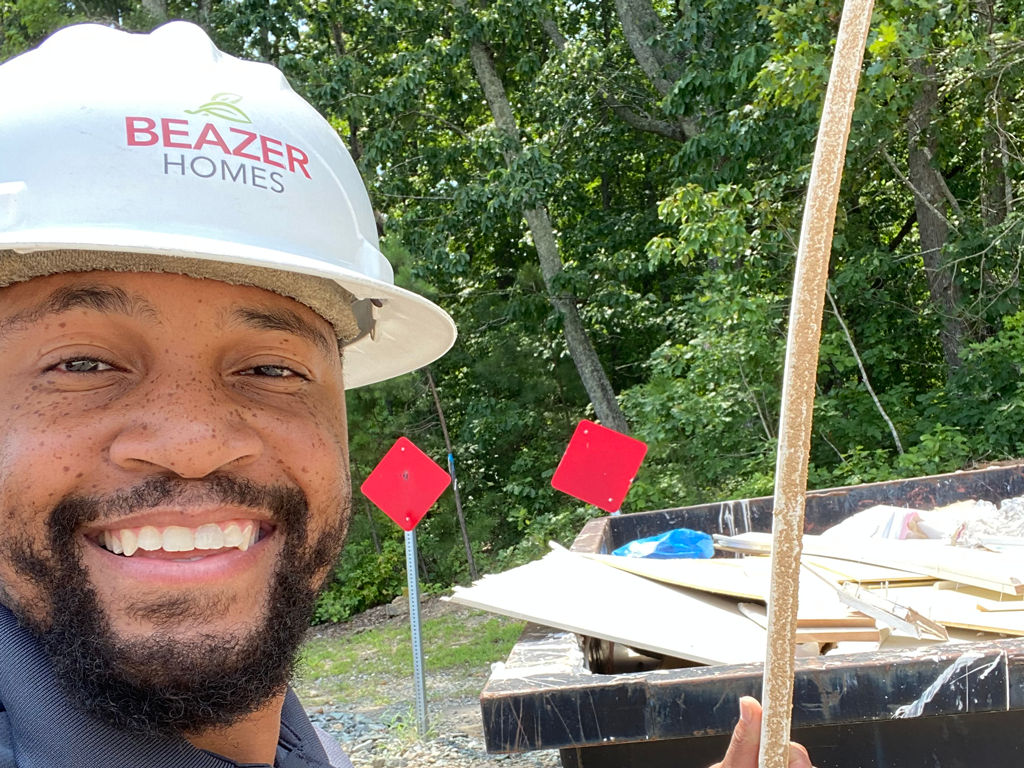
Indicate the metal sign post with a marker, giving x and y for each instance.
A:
(412, 572)
(405, 485)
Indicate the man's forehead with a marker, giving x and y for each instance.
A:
(143, 295)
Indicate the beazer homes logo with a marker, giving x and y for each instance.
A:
(219, 147)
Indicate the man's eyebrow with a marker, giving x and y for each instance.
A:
(282, 319)
(108, 299)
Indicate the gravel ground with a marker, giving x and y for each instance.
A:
(374, 743)
(385, 737)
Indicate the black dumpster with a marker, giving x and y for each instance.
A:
(561, 691)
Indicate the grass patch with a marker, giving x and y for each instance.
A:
(353, 667)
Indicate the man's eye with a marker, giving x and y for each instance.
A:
(271, 371)
(83, 365)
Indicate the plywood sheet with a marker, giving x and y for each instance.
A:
(742, 578)
(747, 578)
(573, 593)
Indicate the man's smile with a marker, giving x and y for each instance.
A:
(167, 569)
(179, 546)
(178, 541)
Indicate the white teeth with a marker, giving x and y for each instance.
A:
(129, 541)
(209, 536)
(233, 536)
(178, 539)
(150, 539)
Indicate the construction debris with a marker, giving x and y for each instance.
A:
(901, 583)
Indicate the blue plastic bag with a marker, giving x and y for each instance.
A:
(679, 543)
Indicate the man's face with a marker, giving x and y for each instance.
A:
(173, 481)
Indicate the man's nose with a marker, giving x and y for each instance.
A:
(193, 432)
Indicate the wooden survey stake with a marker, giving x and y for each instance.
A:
(799, 378)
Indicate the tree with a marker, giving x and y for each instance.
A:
(595, 381)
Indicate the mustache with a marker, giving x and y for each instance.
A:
(72, 512)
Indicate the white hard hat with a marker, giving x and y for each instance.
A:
(159, 152)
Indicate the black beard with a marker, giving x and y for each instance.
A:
(162, 686)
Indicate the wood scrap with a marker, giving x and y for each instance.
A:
(988, 570)
(816, 633)
(985, 599)
(899, 617)
(865, 573)
(573, 593)
(754, 545)
(893, 615)
(956, 609)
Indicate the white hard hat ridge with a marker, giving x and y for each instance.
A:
(159, 152)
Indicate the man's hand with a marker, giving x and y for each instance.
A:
(746, 741)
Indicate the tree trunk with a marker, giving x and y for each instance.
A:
(644, 31)
(156, 8)
(932, 226)
(373, 525)
(588, 365)
(355, 148)
(996, 186)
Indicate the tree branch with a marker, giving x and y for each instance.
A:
(906, 229)
(644, 123)
(864, 373)
(446, 123)
(757, 406)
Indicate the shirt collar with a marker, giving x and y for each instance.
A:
(44, 729)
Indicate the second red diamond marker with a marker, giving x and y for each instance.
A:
(599, 465)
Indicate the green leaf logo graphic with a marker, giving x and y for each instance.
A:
(223, 105)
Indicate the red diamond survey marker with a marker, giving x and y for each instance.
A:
(599, 465)
(405, 484)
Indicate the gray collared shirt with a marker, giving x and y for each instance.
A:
(39, 728)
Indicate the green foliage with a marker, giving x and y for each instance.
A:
(362, 580)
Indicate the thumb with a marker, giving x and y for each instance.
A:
(746, 737)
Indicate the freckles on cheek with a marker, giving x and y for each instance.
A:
(39, 465)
